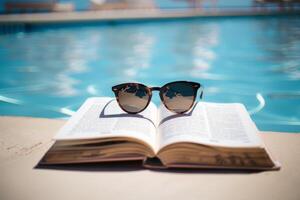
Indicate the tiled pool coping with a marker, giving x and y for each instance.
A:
(90, 16)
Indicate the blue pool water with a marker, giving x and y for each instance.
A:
(49, 71)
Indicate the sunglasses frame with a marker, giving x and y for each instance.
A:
(194, 85)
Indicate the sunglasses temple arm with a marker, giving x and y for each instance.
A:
(201, 93)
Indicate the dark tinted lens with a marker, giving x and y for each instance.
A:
(133, 98)
(178, 97)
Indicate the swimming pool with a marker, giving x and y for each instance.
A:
(49, 71)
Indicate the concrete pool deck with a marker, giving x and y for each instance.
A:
(24, 140)
(138, 14)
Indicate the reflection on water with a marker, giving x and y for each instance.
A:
(283, 47)
(48, 60)
(126, 52)
(254, 61)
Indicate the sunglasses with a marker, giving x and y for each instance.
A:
(178, 97)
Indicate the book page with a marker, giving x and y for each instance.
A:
(210, 124)
(102, 117)
(231, 125)
(191, 126)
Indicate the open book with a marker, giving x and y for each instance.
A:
(210, 135)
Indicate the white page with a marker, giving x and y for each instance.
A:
(102, 117)
(230, 125)
(190, 127)
(209, 123)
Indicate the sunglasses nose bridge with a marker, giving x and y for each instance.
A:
(155, 88)
(159, 90)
